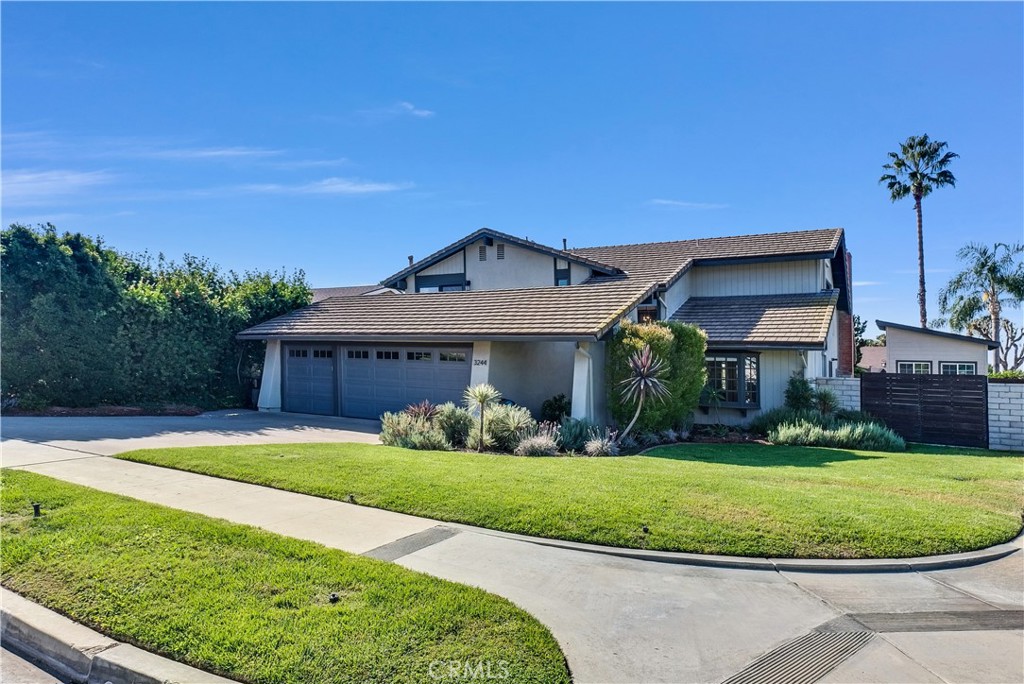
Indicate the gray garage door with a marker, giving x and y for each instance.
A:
(378, 378)
(309, 379)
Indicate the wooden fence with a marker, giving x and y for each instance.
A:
(934, 409)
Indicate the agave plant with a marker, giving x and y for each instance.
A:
(481, 396)
(644, 382)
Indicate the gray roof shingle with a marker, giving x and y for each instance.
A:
(788, 320)
(320, 293)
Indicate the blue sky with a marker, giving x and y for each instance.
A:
(341, 137)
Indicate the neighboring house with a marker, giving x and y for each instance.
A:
(911, 349)
(532, 320)
(321, 293)
(872, 358)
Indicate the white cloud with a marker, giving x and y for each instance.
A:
(214, 153)
(311, 163)
(411, 109)
(25, 187)
(678, 204)
(327, 186)
(866, 283)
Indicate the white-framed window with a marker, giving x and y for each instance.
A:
(958, 368)
(914, 367)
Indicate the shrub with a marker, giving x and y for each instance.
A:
(455, 422)
(507, 425)
(602, 445)
(543, 442)
(826, 401)
(1007, 375)
(480, 397)
(397, 429)
(556, 408)
(669, 436)
(575, 433)
(648, 439)
(475, 442)
(681, 347)
(852, 416)
(868, 436)
(430, 440)
(769, 420)
(628, 444)
(799, 393)
(424, 410)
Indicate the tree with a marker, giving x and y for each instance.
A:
(917, 169)
(644, 381)
(992, 279)
(481, 396)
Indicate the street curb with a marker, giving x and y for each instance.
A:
(853, 565)
(78, 654)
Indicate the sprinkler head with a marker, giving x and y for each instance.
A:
(35, 510)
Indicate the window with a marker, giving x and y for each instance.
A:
(459, 357)
(646, 314)
(915, 367)
(958, 368)
(418, 356)
(734, 378)
(358, 353)
(483, 252)
(561, 276)
(387, 355)
(298, 353)
(323, 354)
(501, 252)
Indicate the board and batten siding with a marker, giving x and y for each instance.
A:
(453, 264)
(906, 345)
(776, 368)
(778, 277)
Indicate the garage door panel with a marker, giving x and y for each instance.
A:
(309, 379)
(390, 377)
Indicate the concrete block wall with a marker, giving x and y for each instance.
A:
(847, 390)
(1006, 415)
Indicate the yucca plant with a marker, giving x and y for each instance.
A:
(480, 397)
(644, 382)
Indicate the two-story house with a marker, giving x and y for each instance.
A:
(532, 320)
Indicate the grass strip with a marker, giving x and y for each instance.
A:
(249, 604)
(735, 499)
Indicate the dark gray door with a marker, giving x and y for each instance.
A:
(309, 379)
(377, 378)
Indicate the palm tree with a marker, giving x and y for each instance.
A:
(993, 278)
(481, 396)
(645, 371)
(917, 169)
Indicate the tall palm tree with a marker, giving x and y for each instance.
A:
(917, 169)
(993, 278)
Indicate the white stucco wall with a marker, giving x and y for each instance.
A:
(530, 372)
(520, 268)
(270, 384)
(906, 345)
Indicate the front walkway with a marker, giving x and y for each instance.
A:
(617, 619)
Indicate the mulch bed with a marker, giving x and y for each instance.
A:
(108, 411)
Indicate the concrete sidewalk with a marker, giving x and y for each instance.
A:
(617, 619)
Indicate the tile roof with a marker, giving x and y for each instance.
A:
(574, 312)
(320, 293)
(763, 320)
(663, 260)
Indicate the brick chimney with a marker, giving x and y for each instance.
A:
(844, 323)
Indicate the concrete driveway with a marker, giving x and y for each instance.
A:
(618, 620)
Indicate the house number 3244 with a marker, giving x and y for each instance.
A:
(479, 362)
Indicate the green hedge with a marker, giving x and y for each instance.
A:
(85, 325)
(682, 347)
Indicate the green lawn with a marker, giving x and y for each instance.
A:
(249, 604)
(744, 499)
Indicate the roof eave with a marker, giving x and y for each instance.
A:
(392, 338)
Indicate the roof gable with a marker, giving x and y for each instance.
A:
(485, 233)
